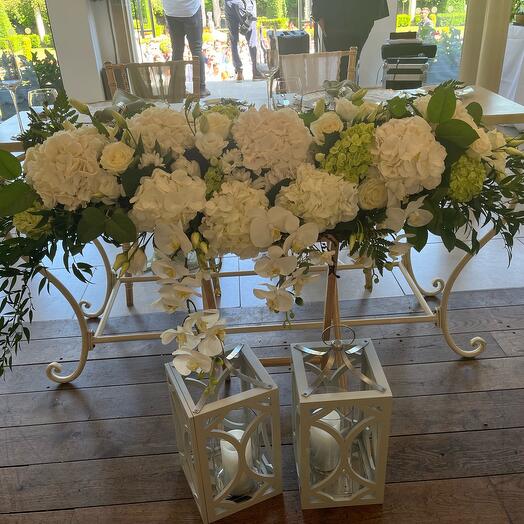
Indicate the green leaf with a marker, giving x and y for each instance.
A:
(398, 107)
(131, 178)
(10, 167)
(273, 192)
(456, 132)
(15, 198)
(475, 111)
(442, 105)
(91, 225)
(308, 118)
(120, 227)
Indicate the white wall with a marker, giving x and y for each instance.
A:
(370, 59)
(76, 40)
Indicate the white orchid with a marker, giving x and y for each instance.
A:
(267, 226)
(319, 258)
(399, 248)
(302, 238)
(165, 268)
(211, 330)
(174, 295)
(137, 260)
(277, 300)
(275, 263)
(169, 238)
(298, 279)
(186, 340)
(188, 361)
(414, 215)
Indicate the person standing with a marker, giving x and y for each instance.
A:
(241, 18)
(184, 18)
(347, 23)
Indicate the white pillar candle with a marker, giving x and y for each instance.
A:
(230, 463)
(325, 452)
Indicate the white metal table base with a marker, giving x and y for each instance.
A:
(437, 316)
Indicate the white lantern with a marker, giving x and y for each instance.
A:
(228, 436)
(341, 418)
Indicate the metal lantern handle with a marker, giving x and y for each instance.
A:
(337, 342)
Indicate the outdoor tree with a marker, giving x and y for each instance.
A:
(30, 14)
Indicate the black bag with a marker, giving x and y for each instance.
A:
(245, 18)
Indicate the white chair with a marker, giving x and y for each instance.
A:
(314, 68)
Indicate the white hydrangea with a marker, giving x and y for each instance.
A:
(319, 197)
(167, 127)
(482, 147)
(167, 198)
(408, 156)
(65, 169)
(227, 220)
(272, 139)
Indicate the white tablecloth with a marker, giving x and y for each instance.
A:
(512, 82)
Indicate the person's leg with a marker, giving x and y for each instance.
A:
(194, 30)
(234, 34)
(251, 38)
(177, 34)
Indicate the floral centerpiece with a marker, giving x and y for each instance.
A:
(271, 185)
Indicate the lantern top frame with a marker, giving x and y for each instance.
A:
(367, 354)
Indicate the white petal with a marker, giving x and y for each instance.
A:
(260, 233)
(287, 265)
(275, 252)
(210, 346)
(168, 336)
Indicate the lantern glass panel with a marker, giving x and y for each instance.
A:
(247, 428)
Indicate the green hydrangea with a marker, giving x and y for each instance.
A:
(229, 110)
(350, 157)
(26, 222)
(467, 179)
(213, 179)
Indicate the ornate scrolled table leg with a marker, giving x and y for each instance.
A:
(437, 283)
(110, 280)
(478, 344)
(54, 368)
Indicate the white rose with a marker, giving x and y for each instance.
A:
(346, 109)
(481, 148)
(217, 123)
(372, 194)
(210, 144)
(117, 157)
(328, 123)
(421, 105)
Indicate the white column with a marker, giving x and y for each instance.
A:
(473, 34)
(493, 47)
(412, 8)
(77, 48)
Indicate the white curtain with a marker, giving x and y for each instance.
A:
(485, 37)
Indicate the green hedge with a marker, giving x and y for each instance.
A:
(48, 41)
(18, 43)
(281, 22)
(403, 20)
(451, 19)
(35, 41)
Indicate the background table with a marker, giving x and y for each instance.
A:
(498, 110)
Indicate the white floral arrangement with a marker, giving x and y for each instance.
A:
(269, 185)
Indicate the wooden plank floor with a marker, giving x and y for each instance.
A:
(101, 450)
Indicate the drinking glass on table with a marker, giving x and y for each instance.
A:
(267, 57)
(10, 78)
(287, 93)
(40, 98)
